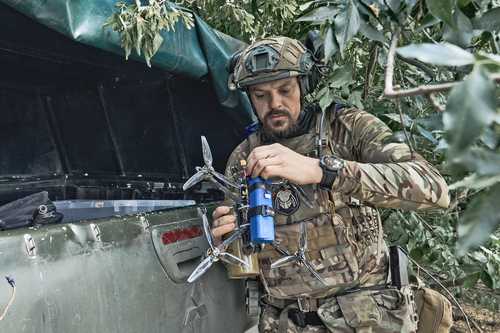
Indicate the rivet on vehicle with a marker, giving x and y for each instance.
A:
(29, 242)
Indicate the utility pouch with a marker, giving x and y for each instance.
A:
(434, 311)
(359, 310)
(356, 312)
(369, 311)
(33, 209)
(399, 267)
(47, 214)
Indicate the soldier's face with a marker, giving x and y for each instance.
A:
(277, 104)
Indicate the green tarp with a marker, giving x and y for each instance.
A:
(195, 52)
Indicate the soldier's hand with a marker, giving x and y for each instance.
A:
(277, 160)
(224, 221)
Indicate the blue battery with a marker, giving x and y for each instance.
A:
(260, 211)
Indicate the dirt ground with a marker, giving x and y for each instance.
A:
(482, 320)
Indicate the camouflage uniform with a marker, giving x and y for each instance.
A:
(345, 236)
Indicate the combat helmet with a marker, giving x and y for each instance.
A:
(272, 59)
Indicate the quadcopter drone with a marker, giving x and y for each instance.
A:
(255, 223)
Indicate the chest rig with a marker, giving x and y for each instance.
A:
(336, 249)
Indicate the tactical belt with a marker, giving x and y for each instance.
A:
(304, 304)
(303, 311)
(308, 304)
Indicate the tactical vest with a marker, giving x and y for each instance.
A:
(345, 242)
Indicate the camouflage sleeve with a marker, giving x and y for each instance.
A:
(239, 153)
(385, 173)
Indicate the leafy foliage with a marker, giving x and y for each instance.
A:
(444, 43)
(140, 26)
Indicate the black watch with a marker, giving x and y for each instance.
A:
(330, 166)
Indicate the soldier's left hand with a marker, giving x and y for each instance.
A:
(276, 160)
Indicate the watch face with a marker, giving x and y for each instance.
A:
(333, 163)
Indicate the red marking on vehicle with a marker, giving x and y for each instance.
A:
(176, 235)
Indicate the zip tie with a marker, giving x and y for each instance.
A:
(12, 297)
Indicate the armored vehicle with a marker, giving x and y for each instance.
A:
(98, 235)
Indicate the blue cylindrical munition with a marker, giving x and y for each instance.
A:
(260, 211)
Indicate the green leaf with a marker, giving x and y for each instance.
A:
(370, 32)
(331, 46)
(482, 162)
(463, 3)
(479, 256)
(490, 21)
(341, 76)
(428, 21)
(487, 279)
(479, 220)
(305, 6)
(319, 14)
(493, 273)
(471, 107)
(395, 117)
(394, 5)
(437, 54)
(347, 23)
(157, 41)
(427, 134)
(326, 99)
(442, 9)
(139, 35)
(475, 182)
(462, 35)
(489, 138)
(471, 280)
(493, 57)
(355, 99)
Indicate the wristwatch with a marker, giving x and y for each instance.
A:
(331, 166)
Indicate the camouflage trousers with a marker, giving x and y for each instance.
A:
(367, 311)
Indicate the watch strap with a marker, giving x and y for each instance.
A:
(327, 179)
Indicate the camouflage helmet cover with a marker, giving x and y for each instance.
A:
(270, 59)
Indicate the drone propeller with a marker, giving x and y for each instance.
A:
(223, 179)
(202, 212)
(207, 173)
(204, 265)
(216, 253)
(194, 179)
(207, 153)
(299, 256)
(283, 261)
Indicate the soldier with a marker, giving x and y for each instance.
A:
(336, 168)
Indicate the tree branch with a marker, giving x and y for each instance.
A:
(389, 90)
(420, 65)
(369, 69)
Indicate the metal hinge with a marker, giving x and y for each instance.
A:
(144, 222)
(96, 231)
(30, 245)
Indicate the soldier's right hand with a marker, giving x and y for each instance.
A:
(224, 221)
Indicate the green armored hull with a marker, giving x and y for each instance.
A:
(111, 142)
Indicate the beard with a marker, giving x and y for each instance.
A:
(275, 130)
